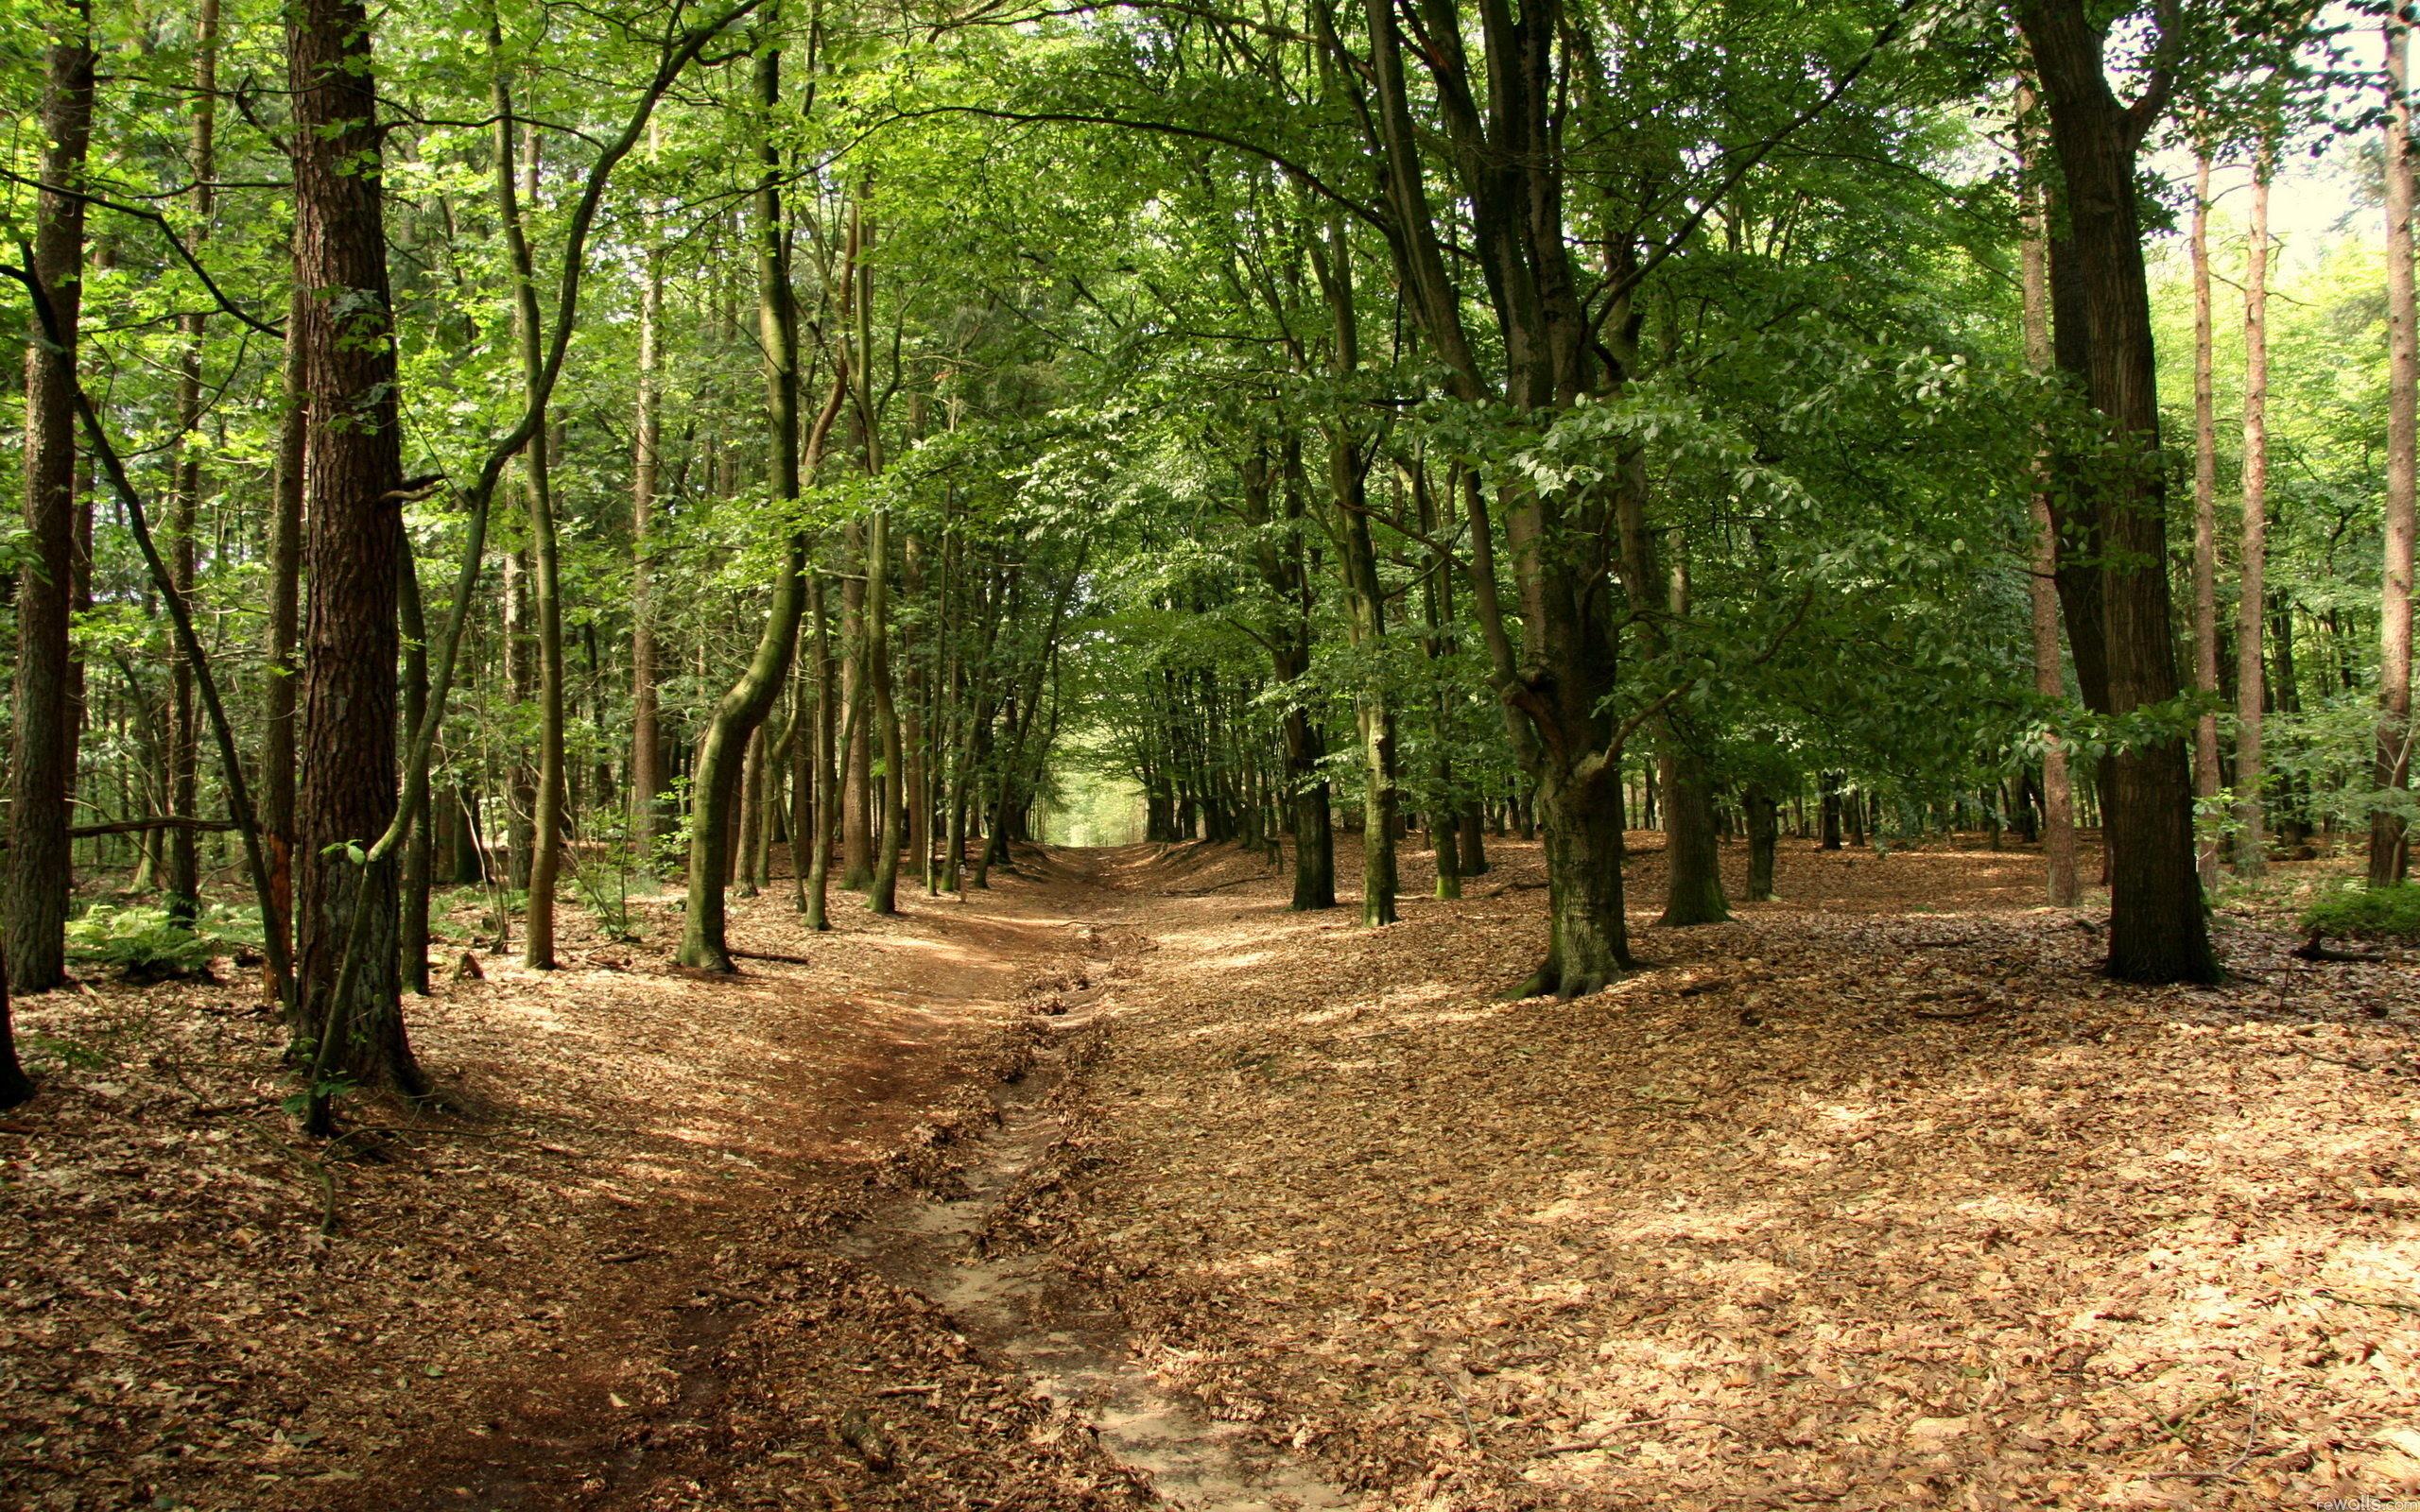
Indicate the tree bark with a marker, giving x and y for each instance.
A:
(278, 735)
(1764, 833)
(2158, 931)
(546, 810)
(647, 771)
(42, 770)
(2390, 843)
(1279, 557)
(351, 473)
(744, 706)
(182, 885)
(411, 929)
(2251, 843)
(2205, 528)
(2064, 887)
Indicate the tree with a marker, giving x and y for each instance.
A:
(352, 477)
(42, 765)
(2113, 580)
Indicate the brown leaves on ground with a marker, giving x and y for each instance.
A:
(597, 1276)
(1883, 1196)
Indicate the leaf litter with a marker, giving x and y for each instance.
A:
(1881, 1195)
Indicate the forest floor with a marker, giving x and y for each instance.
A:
(1878, 1195)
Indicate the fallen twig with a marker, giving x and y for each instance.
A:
(1462, 1404)
(1196, 892)
(768, 955)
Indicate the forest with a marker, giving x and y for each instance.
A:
(1298, 665)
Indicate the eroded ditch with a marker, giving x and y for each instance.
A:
(1061, 1335)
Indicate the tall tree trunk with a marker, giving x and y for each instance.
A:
(646, 772)
(2390, 843)
(278, 736)
(744, 706)
(352, 474)
(42, 770)
(2205, 527)
(2158, 931)
(2251, 844)
(182, 884)
(2064, 884)
(1279, 557)
(546, 810)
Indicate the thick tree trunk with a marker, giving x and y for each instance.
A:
(352, 474)
(42, 770)
(1692, 852)
(2251, 842)
(2158, 931)
(2390, 843)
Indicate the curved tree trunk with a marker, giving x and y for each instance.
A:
(743, 708)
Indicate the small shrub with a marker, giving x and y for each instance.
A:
(145, 945)
(2367, 913)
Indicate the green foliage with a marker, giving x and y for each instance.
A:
(2367, 913)
(145, 945)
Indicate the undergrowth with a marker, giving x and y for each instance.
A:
(2367, 913)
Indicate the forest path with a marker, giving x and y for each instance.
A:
(702, 1348)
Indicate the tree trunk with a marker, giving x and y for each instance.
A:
(2205, 528)
(1692, 852)
(351, 477)
(2390, 843)
(743, 708)
(2065, 886)
(647, 771)
(1279, 558)
(278, 736)
(546, 815)
(411, 930)
(2158, 931)
(182, 883)
(827, 802)
(42, 772)
(1764, 831)
(2251, 844)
